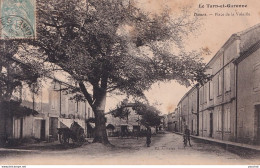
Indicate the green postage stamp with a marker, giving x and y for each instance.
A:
(17, 19)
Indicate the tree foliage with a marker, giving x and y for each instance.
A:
(101, 42)
(14, 72)
(108, 46)
(150, 116)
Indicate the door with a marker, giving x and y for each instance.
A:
(21, 128)
(42, 130)
(124, 130)
(211, 125)
(258, 123)
(192, 127)
(53, 128)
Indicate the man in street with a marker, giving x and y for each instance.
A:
(187, 134)
(148, 136)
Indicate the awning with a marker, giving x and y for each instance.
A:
(65, 122)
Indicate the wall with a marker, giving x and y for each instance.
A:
(229, 110)
(248, 96)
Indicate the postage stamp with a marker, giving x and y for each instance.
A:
(17, 19)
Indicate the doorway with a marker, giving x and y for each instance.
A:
(42, 137)
(257, 107)
(192, 127)
(211, 125)
(21, 128)
(53, 127)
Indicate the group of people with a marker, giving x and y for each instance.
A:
(186, 136)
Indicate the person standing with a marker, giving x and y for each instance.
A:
(187, 134)
(148, 136)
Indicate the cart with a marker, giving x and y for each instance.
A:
(75, 133)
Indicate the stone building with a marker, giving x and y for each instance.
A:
(131, 123)
(248, 94)
(227, 106)
(54, 110)
(187, 111)
(172, 121)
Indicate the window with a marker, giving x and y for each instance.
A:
(71, 105)
(227, 120)
(83, 107)
(54, 99)
(256, 78)
(66, 102)
(210, 90)
(205, 93)
(227, 79)
(192, 100)
(240, 121)
(219, 120)
(219, 85)
(220, 62)
(201, 95)
(76, 107)
(205, 121)
(200, 123)
(194, 125)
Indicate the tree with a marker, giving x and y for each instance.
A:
(13, 72)
(150, 116)
(103, 46)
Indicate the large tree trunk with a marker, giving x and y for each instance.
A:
(98, 103)
(100, 134)
(100, 128)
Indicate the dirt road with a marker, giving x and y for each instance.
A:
(165, 149)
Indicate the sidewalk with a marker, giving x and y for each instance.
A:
(227, 143)
(16, 150)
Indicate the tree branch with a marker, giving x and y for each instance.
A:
(86, 94)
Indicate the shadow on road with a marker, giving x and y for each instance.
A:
(44, 146)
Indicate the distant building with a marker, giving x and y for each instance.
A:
(165, 122)
(172, 121)
(187, 111)
(130, 123)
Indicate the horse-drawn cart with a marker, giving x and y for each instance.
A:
(75, 133)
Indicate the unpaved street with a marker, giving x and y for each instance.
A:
(166, 148)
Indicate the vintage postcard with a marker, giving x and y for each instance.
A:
(130, 82)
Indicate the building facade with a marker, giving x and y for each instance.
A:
(187, 111)
(248, 95)
(55, 110)
(227, 106)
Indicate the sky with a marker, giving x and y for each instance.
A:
(215, 29)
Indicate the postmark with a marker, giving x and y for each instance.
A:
(17, 19)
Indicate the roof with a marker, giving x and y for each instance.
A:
(195, 86)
